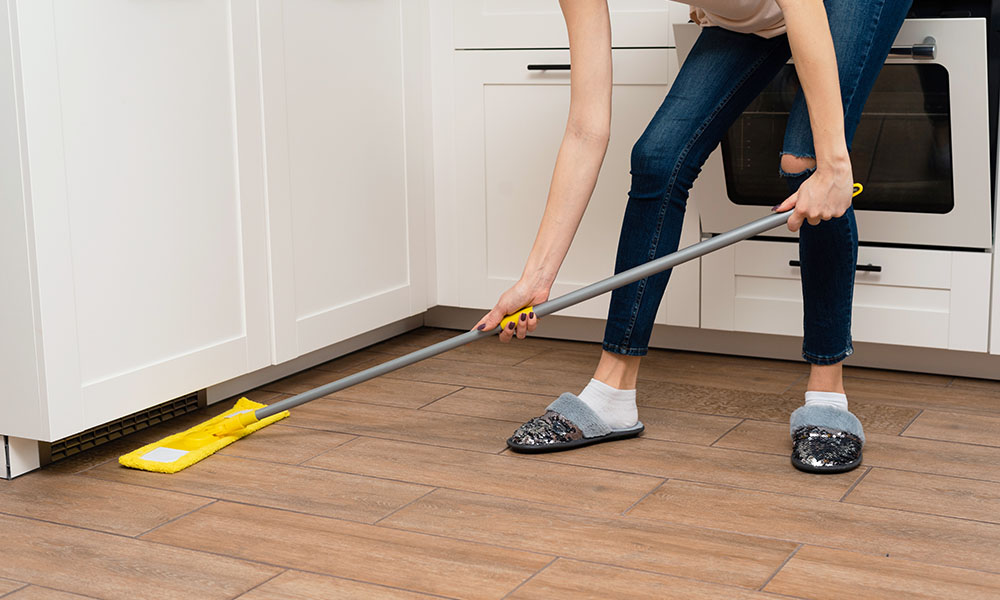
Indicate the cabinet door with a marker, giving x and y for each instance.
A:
(908, 297)
(540, 24)
(344, 119)
(144, 154)
(509, 124)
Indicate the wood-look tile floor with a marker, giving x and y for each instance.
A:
(401, 488)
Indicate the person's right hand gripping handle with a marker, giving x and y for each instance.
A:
(577, 165)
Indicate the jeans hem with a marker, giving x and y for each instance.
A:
(827, 359)
(626, 350)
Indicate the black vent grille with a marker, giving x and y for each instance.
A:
(107, 432)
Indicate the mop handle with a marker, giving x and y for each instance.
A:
(545, 308)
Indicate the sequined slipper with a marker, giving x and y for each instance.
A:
(825, 439)
(567, 423)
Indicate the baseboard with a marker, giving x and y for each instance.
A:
(783, 347)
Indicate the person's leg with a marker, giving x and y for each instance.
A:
(862, 36)
(723, 73)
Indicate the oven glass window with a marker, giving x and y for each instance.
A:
(901, 151)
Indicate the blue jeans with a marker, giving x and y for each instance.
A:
(723, 73)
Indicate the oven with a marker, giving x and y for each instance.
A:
(925, 149)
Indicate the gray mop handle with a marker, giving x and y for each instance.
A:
(546, 308)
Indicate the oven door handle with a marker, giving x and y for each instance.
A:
(923, 51)
(868, 268)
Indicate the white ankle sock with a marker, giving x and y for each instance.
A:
(827, 399)
(615, 407)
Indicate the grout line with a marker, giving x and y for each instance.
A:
(725, 433)
(910, 422)
(919, 437)
(780, 567)
(644, 496)
(441, 398)
(530, 577)
(396, 510)
(855, 484)
(268, 580)
(793, 384)
(181, 516)
(17, 589)
(536, 355)
(330, 449)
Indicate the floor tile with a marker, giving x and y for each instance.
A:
(723, 372)
(711, 465)
(661, 424)
(956, 427)
(933, 494)
(983, 384)
(395, 392)
(453, 431)
(288, 487)
(518, 378)
(354, 362)
(635, 543)
(825, 574)
(282, 444)
(582, 581)
(890, 451)
(119, 568)
(85, 502)
(562, 485)
(368, 553)
(7, 586)
(295, 585)
(920, 537)
(900, 376)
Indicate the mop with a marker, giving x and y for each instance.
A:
(184, 449)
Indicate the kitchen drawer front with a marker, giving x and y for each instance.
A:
(927, 298)
(499, 24)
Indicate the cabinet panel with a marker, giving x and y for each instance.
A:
(344, 215)
(509, 125)
(927, 298)
(148, 222)
(540, 24)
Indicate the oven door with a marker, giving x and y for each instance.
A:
(921, 149)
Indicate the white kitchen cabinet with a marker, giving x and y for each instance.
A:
(133, 213)
(345, 124)
(920, 298)
(540, 24)
(509, 122)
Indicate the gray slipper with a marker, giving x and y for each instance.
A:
(825, 439)
(567, 423)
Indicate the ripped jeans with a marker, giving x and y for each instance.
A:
(723, 73)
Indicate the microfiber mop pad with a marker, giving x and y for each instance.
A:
(181, 450)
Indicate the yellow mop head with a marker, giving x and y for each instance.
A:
(181, 450)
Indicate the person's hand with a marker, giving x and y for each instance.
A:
(823, 196)
(522, 294)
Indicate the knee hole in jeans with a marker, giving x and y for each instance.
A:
(792, 166)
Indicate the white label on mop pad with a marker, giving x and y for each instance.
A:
(164, 455)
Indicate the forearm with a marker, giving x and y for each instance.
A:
(584, 142)
(573, 180)
(816, 65)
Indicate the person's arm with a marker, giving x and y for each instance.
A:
(827, 193)
(578, 162)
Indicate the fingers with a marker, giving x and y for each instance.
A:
(522, 326)
(788, 204)
(491, 320)
(795, 221)
(532, 321)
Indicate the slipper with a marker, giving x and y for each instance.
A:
(567, 423)
(826, 439)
